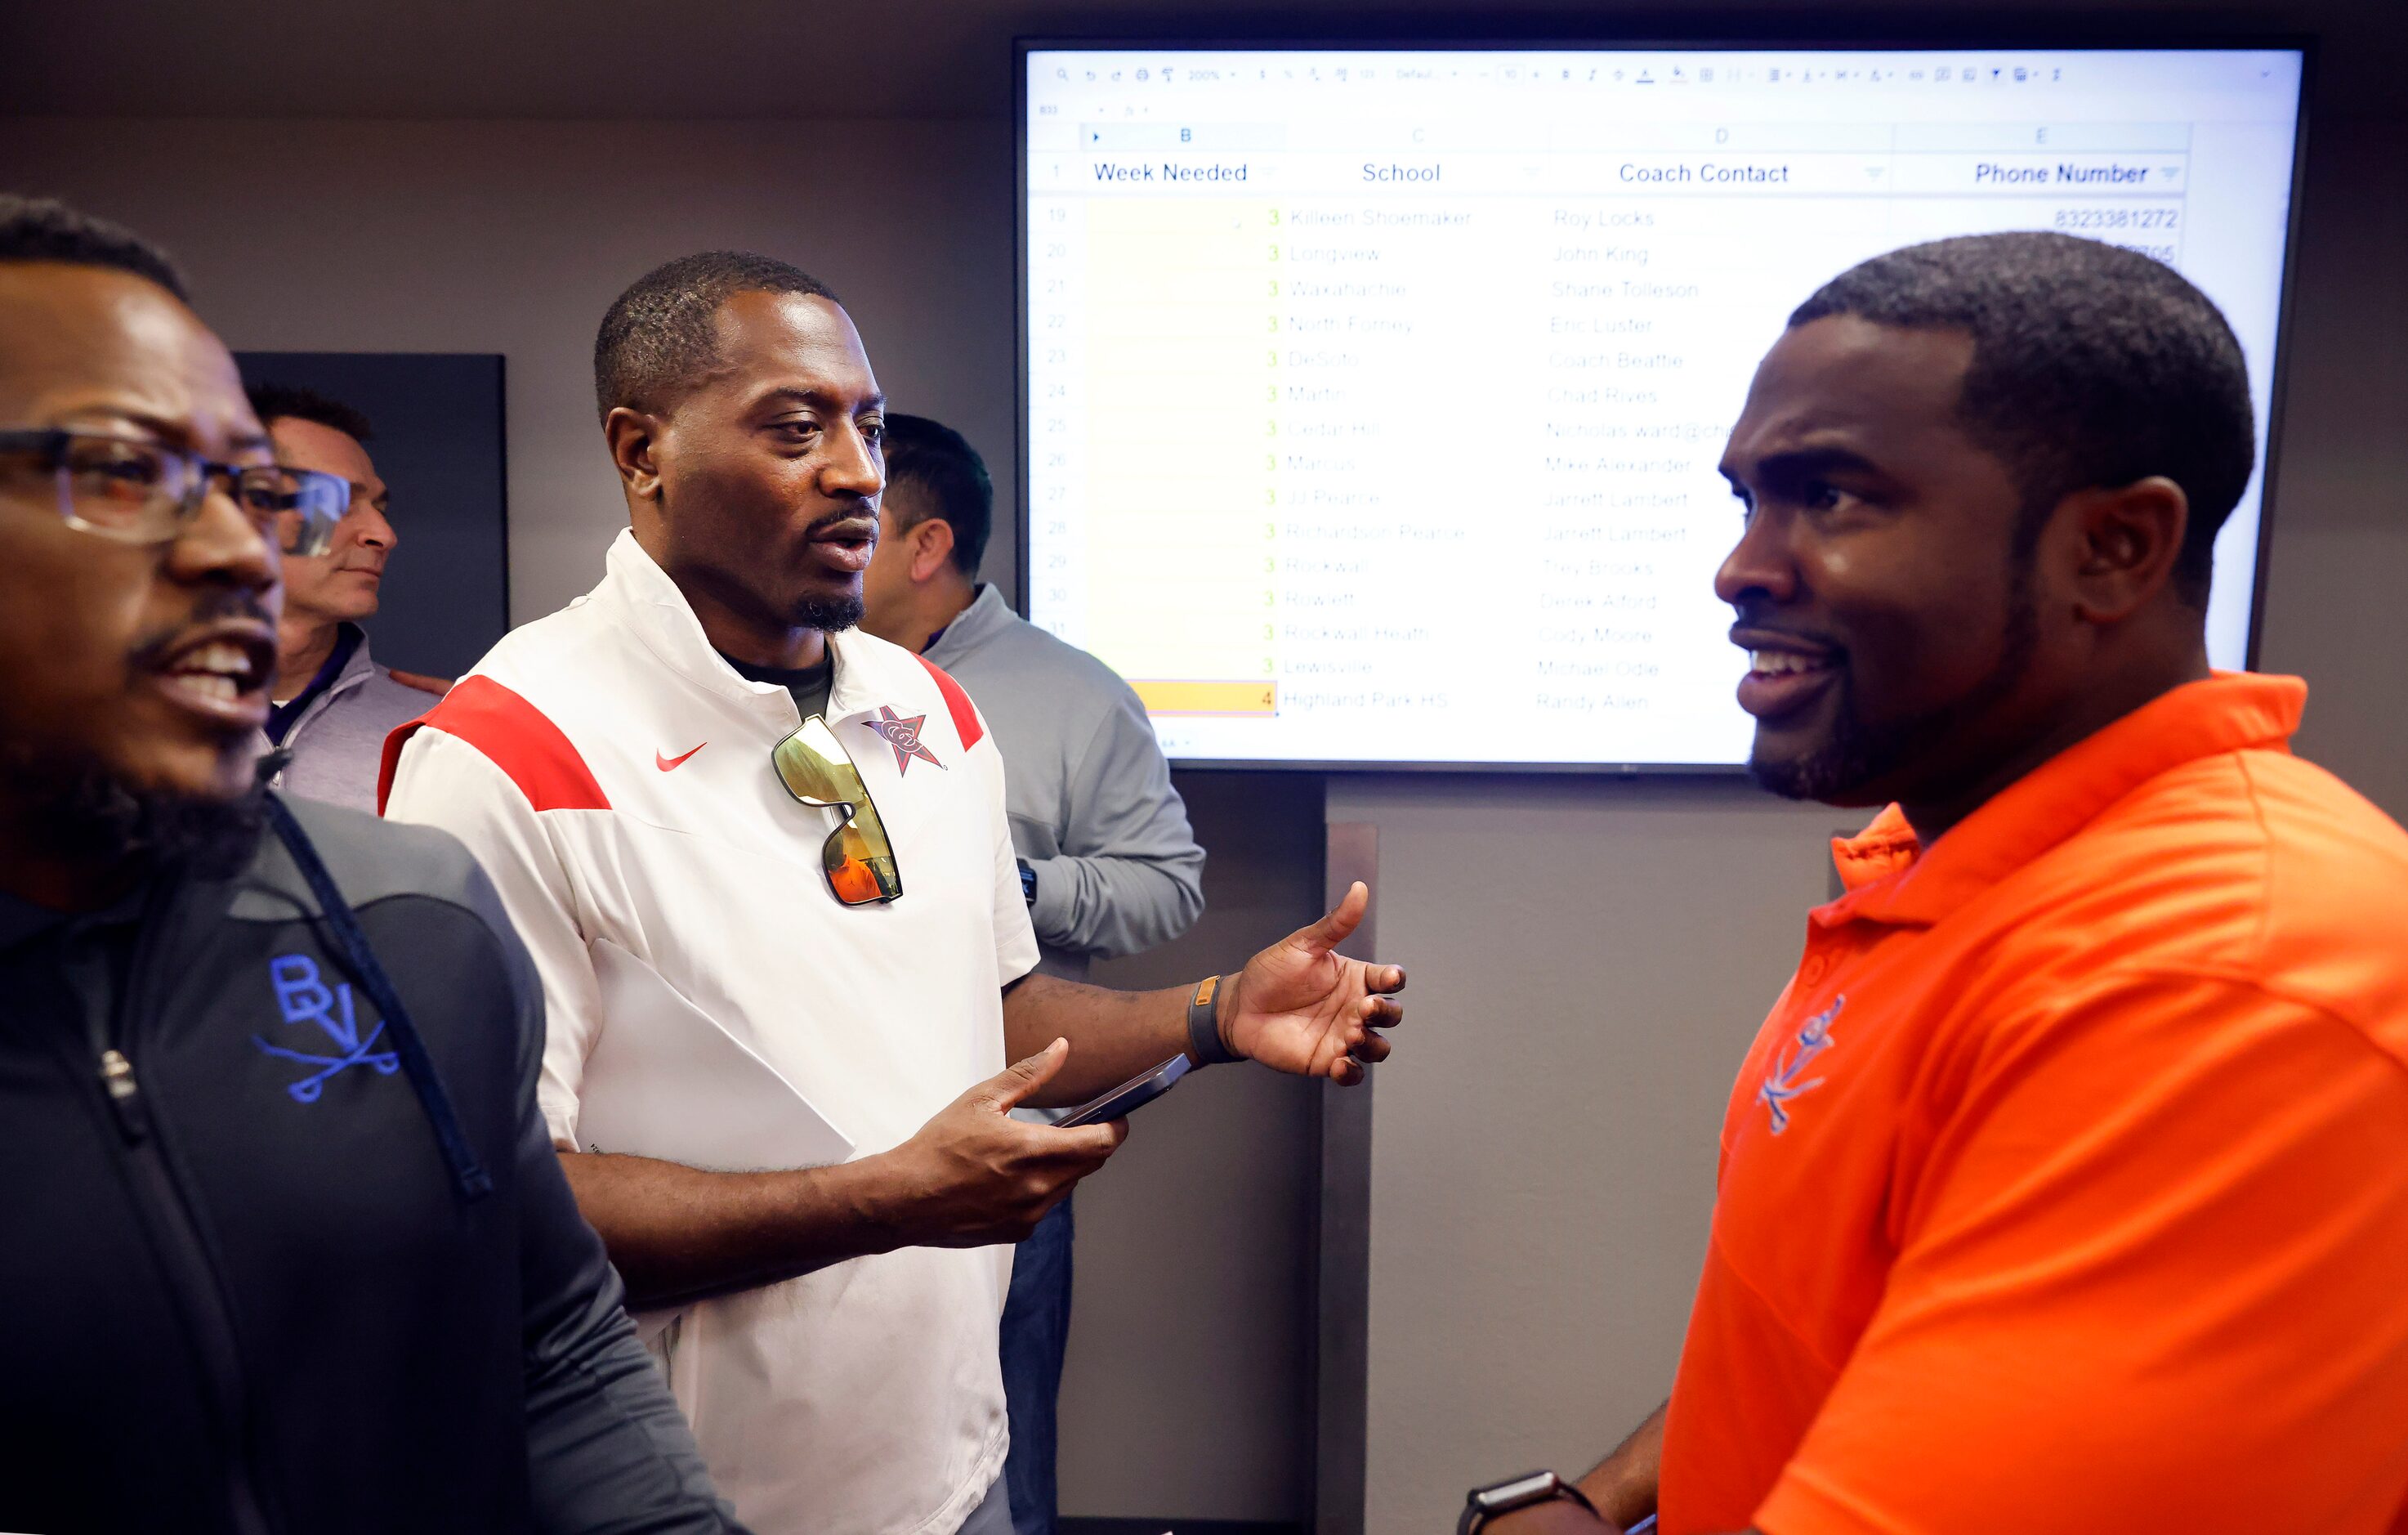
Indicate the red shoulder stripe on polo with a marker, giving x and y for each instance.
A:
(957, 703)
(515, 736)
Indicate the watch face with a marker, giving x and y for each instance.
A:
(1523, 1491)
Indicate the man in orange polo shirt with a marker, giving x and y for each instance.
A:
(2066, 1189)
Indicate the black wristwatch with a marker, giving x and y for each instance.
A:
(1027, 882)
(1486, 1504)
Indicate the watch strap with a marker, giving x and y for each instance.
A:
(1485, 1503)
(1205, 1045)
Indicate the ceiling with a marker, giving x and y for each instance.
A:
(801, 58)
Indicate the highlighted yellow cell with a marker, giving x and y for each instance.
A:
(1244, 359)
(1181, 321)
(1208, 698)
(1161, 217)
(1229, 456)
(1111, 296)
(1154, 484)
(1152, 392)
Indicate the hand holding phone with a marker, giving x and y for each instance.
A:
(1132, 1094)
(972, 1176)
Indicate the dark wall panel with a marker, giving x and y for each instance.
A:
(438, 444)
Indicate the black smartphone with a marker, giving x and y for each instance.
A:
(1132, 1094)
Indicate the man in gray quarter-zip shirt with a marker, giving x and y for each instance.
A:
(1107, 864)
(1112, 866)
(334, 705)
(287, 1248)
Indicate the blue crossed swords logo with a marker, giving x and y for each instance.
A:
(1780, 1084)
(305, 998)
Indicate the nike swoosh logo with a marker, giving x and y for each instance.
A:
(665, 764)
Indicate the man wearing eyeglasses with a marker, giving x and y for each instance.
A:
(716, 808)
(287, 1246)
(333, 704)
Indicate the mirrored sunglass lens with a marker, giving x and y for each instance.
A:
(297, 535)
(856, 871)
(859, 865)
(323, 495)
(277, 500)
(307, 505)
(815, 768)
(852, 879)
(811, 777)
(306, 534)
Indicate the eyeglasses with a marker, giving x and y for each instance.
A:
(144, 492)
(857, 858)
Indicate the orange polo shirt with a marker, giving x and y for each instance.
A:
(2066, 1189)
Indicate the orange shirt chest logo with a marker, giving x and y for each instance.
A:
(1786, 1078)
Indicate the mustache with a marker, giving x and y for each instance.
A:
(154, 647)
(1755, 613)
(853, 511)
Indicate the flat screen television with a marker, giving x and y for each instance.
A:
(1372, 396)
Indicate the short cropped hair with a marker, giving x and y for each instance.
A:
(2093, 366)
(275, 402)
(662, 335)
(45, 229)
(943, 465)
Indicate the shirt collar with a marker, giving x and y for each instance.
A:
(357, 666)
(661, 618)
(22, 921)
(352, 650)
(972, 626)
(1892, 878)
(350, 640)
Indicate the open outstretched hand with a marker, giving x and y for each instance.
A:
(1300, 1006)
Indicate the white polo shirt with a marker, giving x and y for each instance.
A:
(613, 774)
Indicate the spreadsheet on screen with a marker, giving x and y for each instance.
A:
(1373, 396)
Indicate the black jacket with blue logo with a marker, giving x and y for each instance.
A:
(263, 1272)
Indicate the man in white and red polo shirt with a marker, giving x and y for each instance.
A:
(611, 767)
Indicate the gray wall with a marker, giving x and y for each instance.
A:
(1543, 1156)
(1188, 1388)
(2334, 609)
(515, 237)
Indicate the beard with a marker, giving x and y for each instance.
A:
(86, 815)
(829, 613)
(69, 804)
(1857, 752)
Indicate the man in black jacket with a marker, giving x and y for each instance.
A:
(286, 1245)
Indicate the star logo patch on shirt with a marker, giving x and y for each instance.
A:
(903, 736)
